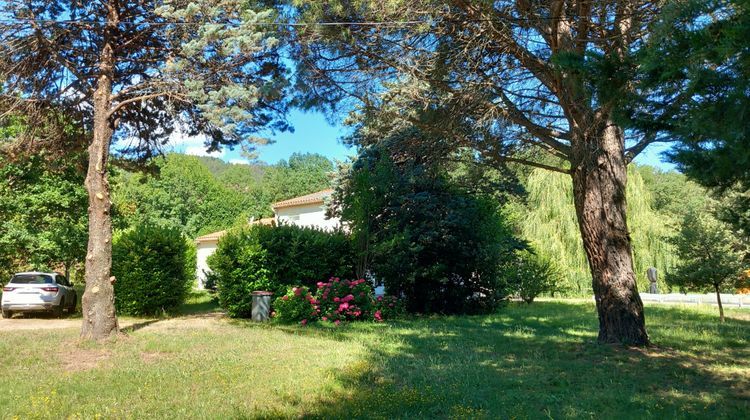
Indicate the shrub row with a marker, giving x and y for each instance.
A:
(277, 258)
(273, 258)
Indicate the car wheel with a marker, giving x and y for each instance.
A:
(7, 314)
(57, 311)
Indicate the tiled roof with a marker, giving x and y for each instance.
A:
(211, 237)
(215, 236)
(316, 197)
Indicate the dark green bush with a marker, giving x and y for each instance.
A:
(154, 268)
(423, 236)
(272, 258)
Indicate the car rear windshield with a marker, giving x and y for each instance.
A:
(31, 279)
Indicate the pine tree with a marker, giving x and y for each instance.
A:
(130, 73)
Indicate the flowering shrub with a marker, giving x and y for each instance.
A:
(388, 307)
(336, 301)
(344, 300)
(297, 305)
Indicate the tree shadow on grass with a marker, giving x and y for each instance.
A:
(137, 326)
(539, 361)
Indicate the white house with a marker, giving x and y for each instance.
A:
(307, 210)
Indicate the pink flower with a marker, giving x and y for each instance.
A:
(285, 298)
(320, 285)
(303, 322)
(344, 306)
(325, 318)
(337, 322)
(380, 298)
(378, 316)
(391, 305)
(336, 299)
(297, 291)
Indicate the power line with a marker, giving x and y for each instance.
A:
(302, 24)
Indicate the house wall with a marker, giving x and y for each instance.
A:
(311, 215)
(204, 250)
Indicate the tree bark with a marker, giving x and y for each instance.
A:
(599, 174)
(718, 300)
(98, 302)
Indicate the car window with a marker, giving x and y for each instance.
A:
(31, 279)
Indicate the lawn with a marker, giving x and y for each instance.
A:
(533, 361)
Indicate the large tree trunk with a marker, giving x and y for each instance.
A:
(599, 178)
(98, 303)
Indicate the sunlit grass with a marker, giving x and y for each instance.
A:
(525, 361)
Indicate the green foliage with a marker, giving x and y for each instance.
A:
(529, 275)
(734, 209)
(710, 257)
(301, 174)
(295, 306)
(672, 193)
(424, 238)
(694, 78)
(548, 221)
(303, 255)
(184, 195)
(154, 269)
(43, 218)
(239, 268)
(200, 195)
(272, 258)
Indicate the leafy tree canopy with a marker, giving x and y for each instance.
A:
(694, 77)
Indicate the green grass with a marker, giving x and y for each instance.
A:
(535, 361)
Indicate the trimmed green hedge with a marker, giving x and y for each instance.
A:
(272, 258)
(154, 268)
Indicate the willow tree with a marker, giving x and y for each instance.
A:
(504, 75)
(131, 72)
(548, 221)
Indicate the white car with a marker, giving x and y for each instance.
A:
(38, 292)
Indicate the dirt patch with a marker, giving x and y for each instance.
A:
(79, 360)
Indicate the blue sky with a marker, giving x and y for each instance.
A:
(313, 134)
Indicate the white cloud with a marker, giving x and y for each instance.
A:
(239, 161)
(178, 139)
(201, 151)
